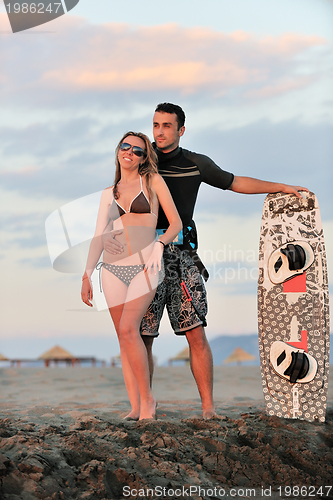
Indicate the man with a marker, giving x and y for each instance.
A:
(183, 290)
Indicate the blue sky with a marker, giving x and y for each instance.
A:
(255, 80)
(262, 17)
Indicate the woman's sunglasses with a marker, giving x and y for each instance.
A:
(136, 150)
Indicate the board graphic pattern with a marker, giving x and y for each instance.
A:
(288, 219)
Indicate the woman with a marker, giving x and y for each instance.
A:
(128, 210)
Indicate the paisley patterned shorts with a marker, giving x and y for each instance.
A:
(179, 268)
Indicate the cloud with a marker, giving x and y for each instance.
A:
(282, 87)
(80, 174)
(119, 58)
(47, 137)
(288, 152)
(23, 230)
(55, 157)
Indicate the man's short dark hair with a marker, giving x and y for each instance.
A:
(168, 107)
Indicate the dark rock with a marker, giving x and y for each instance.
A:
(96, 459)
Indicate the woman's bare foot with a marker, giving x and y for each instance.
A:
(148, 410)
(209, 413)
(132, 415)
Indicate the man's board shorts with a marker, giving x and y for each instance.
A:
(182, 292)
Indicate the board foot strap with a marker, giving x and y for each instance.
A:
(299, 366)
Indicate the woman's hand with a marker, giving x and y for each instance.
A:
(111, 244)
(87, 291)
(153, 264)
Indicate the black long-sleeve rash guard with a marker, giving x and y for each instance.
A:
(183, 172)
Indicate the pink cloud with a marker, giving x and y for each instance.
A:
(27, 171)
(82, 57)
(279, 88)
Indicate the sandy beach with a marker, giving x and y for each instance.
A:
(62, 437)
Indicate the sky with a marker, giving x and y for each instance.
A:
(255, 80)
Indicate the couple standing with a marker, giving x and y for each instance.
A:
(147, 235)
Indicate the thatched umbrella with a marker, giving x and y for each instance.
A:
(56, 354)
(3, 358)
(183, 355)
(238, 355)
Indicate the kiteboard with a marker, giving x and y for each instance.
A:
(293, 308)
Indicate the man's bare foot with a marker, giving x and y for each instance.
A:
(211, 413)
(148, 410)
(132, 415)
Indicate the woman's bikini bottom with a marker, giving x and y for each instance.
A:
(125, 273)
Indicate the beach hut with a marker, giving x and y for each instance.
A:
(238, 355)
(183, 355)
(57, 354)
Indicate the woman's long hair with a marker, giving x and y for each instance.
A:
(146, 170)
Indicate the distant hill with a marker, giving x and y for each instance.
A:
(223, 346)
